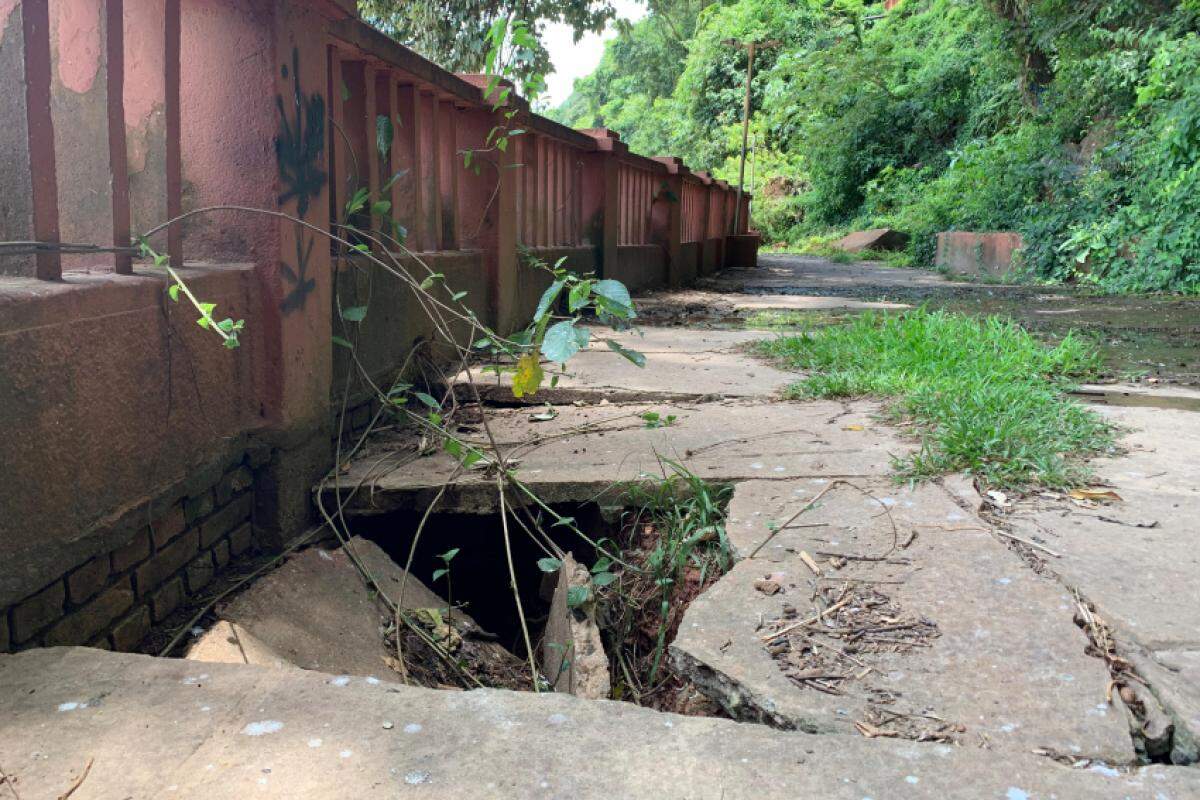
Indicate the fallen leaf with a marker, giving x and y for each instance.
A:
(1099, 495)
(543, 416)
(854, 428)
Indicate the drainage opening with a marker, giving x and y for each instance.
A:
(603, 596)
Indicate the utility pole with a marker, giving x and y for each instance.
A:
(750, 48)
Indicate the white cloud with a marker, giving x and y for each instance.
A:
(573, 59)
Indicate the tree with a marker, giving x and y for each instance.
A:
(454, 33)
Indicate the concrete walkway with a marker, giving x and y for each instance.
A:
(979, 681)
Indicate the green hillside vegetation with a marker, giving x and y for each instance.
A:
(1074, 122)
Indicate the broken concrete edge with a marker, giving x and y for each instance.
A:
(519, 744)
(501, 396)
(1184, 745)
(573, 657)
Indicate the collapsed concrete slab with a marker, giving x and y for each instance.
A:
(228, 731)
(873, 239)
(317, 612)
(584, 454)
(901, 616)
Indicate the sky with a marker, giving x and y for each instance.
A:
(574, 60)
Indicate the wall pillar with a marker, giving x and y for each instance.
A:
(667, 219)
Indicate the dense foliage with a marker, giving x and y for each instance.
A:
(1075, 122)
(455, 33)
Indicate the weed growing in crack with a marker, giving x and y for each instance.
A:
(675, 545)
(986, 395)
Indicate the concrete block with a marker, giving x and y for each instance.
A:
(85, 582)
(166, 599)
(741, 251)
(981, 255)
(200, 572)
(226, 519)
(96, 616)
(168, 525)
(166, 563)
(241, 539)
(36, 612)
(4, 637)
(130, 632)
(137, 551)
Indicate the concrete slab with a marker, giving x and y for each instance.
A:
(167, 728)
(730, 440)
(317, 613)
(1137, 559)
(682, 364)
(1005, 660)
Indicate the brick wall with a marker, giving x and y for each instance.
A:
(114, 599)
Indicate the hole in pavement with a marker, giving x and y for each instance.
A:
(628, 591)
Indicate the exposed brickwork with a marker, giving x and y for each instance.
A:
(241, 539)
(87, 581)
(112, 600)
(198, 507)
(200, 572)
(169, 525)
(221, 553)
(36, 612)
(82, 625)
(225, 520)
(135, 552)
(167, 599)
(167, 562)
(130, 631)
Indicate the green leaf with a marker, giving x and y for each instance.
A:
(173, 292)
(354, 313)
(428, 283)
(633, 355)
(614, 298)
(549, 564)
(578, 296)
(577, 596)
(602, 564)
(603, 578)
(449, 554)
(458, 296)
(427, 400)
(560, 342)
(232, 343)
(381, 207)
(548, 298)
(338, 340)
(437, 573)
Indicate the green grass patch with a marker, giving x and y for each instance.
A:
(986, 396)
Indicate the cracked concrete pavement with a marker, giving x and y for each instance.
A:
(1002, 664)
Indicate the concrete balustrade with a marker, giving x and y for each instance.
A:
(123, 114)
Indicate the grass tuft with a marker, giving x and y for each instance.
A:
(986, 395)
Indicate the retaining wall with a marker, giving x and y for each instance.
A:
(140, 455)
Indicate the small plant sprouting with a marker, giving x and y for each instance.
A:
(228, 329)
(444, 572)
(653, 419)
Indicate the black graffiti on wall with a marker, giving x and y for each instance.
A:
(300, 145)
(299, 150)
(302, 285)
